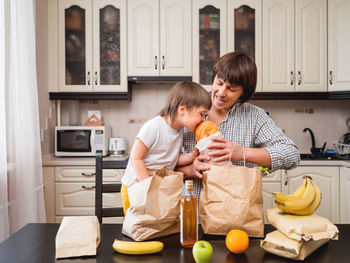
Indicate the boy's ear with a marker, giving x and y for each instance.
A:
(181, 108)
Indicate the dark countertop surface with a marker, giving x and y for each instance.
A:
(35, 243)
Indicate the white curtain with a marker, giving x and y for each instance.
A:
(21, 183)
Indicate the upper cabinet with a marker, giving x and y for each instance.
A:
(159, 38)
(339, 43)
(244, 26)
(224, 26)
(92, 46)
(294, 45)
(209, 38)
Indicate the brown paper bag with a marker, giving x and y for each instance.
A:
(77, 236)
(279, 244)
(232, 198)
(154, 206)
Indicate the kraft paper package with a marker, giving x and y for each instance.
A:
(154, 206)
(78, 236)
(279, 244)
(232, 198)
(310, 227)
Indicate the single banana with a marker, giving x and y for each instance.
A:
(282, 197)
(313, 206)
(305, 200)
(137, 248)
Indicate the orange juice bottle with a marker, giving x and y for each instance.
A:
(188, 216)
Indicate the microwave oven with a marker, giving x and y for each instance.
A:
(81, 140)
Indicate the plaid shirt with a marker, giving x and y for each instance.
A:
(249, 126)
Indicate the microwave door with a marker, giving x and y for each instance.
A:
(77, 141)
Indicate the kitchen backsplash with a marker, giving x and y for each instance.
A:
(326, 118)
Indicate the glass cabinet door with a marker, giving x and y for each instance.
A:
(244, 32)
(109, 52)
(109, 42)
(209, 42)
(74, 46)
(75, 49)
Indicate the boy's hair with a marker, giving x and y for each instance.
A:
(186, 93)
(238, 69)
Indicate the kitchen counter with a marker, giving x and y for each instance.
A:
(88, 161)
(50, 160)
(36, 243)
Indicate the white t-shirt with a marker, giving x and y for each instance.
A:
(163, 143)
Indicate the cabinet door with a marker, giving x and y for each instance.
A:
(311, 45)
(109, 41)
(278, 45)
(244, 25)
(79, 199)
(268, 198)
(345, 195)
(75, 46)
(175, 38)
(209, 38)
(338, 45)
(143, 38)
(327, 179)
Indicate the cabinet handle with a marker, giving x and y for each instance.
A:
(163, 62)
(88, 175)
(299, 77)
(88, 78)
(155, 62)
(331, 77)
(87, 187)
(291, 78)
(286, 177)
(95, 77)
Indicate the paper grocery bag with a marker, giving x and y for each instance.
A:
(154, 206)
(78, 236)
(232, 198)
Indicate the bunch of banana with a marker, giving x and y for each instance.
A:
(304, 201)
(137, 248)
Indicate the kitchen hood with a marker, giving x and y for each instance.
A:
(157, 79)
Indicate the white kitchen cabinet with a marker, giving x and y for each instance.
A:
(338, 45)
(271, 183)
(69, 191)
(294, 45)
(159, 38)
(327, 179)
(244, 30)
(91, 45)
(344, 195)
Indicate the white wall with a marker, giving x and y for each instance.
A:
(327, 120)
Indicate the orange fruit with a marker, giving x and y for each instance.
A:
(237, 241)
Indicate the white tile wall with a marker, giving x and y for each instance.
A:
(126, 118)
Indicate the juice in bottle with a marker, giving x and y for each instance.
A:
(189, 216)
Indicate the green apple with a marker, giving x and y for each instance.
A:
(202, 251)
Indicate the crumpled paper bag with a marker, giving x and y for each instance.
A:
(279, 244)
(232, 198)
(154, 206)
(78, 236)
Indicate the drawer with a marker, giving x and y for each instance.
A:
(276, 176)
(86, 174)
(79, 199)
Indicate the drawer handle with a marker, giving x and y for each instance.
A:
(88, 175)
(88, 187)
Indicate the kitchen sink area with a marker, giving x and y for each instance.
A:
(309, 156)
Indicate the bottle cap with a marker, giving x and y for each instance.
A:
(189, 185)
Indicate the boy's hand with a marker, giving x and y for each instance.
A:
(195, 153)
